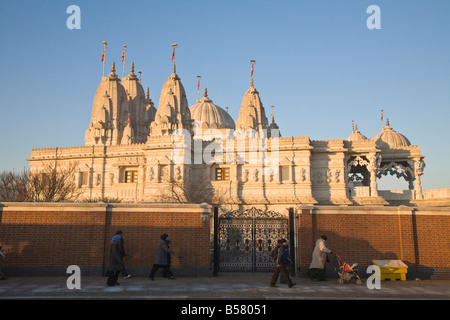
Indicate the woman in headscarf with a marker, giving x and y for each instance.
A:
(115, 261)
(319, 257)
(161, 260)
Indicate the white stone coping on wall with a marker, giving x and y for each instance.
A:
(394, 210)
(166, 207)
(52, 206)
(101, 206)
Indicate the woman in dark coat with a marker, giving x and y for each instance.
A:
(161, 260)
(115, 262)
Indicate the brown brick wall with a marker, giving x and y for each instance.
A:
(53, 237)
(189, 235)
(46, 238)
(419, 237)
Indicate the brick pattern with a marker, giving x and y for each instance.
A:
(62, 236)
(420, 239)
(56, 236)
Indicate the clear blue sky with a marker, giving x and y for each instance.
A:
(316, 61)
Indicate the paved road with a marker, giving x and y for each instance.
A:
(235, 287)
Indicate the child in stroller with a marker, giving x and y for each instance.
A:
(347, 272)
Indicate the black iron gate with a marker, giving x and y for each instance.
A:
(245, 239)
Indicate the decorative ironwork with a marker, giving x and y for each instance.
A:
(251, 213)
(247, 238)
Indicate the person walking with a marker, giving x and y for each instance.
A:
(2, 256)
(115, 261)
(125, 274)
(283, 261)
(167, 272)
(319, 257)
(161, 260)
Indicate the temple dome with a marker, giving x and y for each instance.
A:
(210, 115)
(173, 109)
(356, 136)
(137, 110)
(389, 138)
(109, 112)
(252, 114)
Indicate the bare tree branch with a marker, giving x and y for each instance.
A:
(53, 184)
(13, 186)
(194, 191)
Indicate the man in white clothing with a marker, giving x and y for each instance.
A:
(319, 257)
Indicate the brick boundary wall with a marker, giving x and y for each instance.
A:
(43, 239)
(418, 236)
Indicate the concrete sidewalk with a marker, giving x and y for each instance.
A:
(228, 286)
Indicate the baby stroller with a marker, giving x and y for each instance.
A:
(347, 272)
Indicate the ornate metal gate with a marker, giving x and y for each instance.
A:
(245, 239)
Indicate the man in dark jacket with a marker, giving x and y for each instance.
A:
(282, 262)
(115, 261)
(122, 252)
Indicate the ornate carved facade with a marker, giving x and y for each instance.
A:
(137, 153)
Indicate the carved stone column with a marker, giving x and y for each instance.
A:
(372, 167)
(419, 166)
